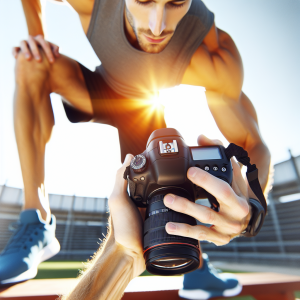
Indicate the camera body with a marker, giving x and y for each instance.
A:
(164, 164)
(162, 169)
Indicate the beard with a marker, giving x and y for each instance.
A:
(147, 46)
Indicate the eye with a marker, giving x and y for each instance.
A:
(176, 4)
(143, 2)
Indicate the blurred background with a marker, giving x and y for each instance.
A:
(80, 170)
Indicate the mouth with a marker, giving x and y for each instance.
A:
(154, 41)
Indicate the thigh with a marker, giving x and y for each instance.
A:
(67, 80)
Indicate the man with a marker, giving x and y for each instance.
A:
(143, 46)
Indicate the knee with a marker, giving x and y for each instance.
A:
(31, 72)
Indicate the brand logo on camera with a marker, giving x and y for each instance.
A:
(168, 147)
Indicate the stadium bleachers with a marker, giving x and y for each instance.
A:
(82, 224)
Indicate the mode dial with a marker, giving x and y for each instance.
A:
(138, 164)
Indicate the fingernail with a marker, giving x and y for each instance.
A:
(27, 55)
(169, 199)
(37, 57)
(51, 60)
(191, 172)
(171, 226)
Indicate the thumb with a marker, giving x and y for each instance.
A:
(203, 140)
(121, 184)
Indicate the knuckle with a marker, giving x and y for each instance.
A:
(201, 235)
(183, 204)
(210, 217)
(185, 229)
(226, 192)
(225, 239)
(237, 228)
(245, 208)
(203, 176)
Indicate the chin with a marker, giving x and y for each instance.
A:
(152, 48)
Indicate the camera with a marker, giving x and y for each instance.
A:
(162, 169)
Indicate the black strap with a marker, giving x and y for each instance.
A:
(127, 172)
(252, 172)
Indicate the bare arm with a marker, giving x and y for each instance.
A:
(237, 121)
(33, 14)
(120, 258)
(217, 66)
(108, 273)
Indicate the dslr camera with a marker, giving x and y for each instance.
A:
(162, 169)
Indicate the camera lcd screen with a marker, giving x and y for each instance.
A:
(206, 153)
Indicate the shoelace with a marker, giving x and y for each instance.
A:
(22, 232)
(212, 268)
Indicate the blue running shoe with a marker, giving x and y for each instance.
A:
(32, 242)
(206, 283)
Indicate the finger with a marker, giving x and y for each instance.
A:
(213, 185)
(198, 232)
(46, 47)
(202, 140)
(238, 179)
(15, 51)
(34, 48)
(55, 49)
(25, 50)
(201, 213)
(120, 184)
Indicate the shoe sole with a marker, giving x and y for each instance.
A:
(204, 295)
(47, 252)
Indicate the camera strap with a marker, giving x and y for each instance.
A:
(252, 172)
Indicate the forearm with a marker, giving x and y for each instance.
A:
(33, 14)
(107, 276)
(260, 156)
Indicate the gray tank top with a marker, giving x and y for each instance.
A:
(136, 74)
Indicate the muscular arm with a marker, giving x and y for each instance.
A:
(33, 14)
(217, 66)
(237, 121)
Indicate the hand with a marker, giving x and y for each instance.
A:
(127, 220)
(30, 49)
(233, 216)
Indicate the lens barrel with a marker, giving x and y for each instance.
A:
(167, 254)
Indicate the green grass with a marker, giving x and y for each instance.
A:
(59, 269)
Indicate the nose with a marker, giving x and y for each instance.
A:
(157, 20)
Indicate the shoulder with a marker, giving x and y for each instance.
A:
(216, 64)
(82, 7)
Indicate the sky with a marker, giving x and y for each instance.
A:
(78, 160)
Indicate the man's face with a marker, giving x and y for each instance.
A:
(154, 22)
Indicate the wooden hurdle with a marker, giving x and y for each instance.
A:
(261, 286)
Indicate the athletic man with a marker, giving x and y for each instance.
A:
(143, 46)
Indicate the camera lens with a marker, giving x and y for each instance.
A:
(167, 254)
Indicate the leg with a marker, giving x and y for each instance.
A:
(33, 117)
